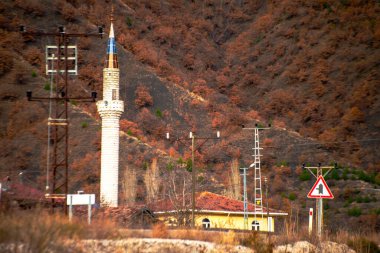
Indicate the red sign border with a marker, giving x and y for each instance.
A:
(315, 185)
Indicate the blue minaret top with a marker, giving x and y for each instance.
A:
(111, 61)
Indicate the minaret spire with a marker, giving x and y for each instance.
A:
(111, 61)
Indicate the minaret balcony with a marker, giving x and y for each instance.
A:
(110, 105)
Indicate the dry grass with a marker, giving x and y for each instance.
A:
(360, 242)
(36, 231)
(39, 231)
(159, 230)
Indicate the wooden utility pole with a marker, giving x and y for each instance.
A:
(193, 137)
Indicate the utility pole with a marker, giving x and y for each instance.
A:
(58, 188)
(193, 137)
(319, 201)
(245, 197)
(258, 196)
(266, 199)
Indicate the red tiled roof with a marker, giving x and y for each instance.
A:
(211, 202)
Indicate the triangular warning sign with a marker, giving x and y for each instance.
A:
(320, 190)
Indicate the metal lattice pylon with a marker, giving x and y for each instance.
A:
(256, 165)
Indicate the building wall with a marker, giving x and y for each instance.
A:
(224, 221)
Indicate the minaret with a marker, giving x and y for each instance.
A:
(110, 110)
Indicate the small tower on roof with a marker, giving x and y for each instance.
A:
(110, 110)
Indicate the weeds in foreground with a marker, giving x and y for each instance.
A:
(35, 232)
(39, 231)
(360, 242)
(159, 230)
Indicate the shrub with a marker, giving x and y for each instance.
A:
(159, 113)
(143, 97)
(47, 86)
(68, 12)
(170, 166)
(292, 196)
(355, 211)
(33, 56)
(335, 175)
(128, 21)
(84, 124)
(305, 176)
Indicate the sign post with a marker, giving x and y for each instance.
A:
(80, 199)
(320, 191)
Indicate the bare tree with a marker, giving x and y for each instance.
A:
(129, 185)
(234, 181)
(152, 181)
(177, 190)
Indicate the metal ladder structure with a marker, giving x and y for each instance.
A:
(257, 166)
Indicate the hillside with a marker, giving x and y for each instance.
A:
(309, 68)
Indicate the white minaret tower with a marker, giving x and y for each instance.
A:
(110, 110)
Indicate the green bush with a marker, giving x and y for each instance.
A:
(367, 199)
(327, 7)
(345, 174)
(128, 21)
(170, 166)
(47, 86)
(292, 196)
(355, 211)
(305, 175)
(34, 74)
(180, 161)
(335, 174)
(189, 165)
(377, 179)
(84, 124)
(159, 113)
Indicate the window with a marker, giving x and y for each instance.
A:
(206, 223)
(255, 225)
(172, 223)
(114, 94)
